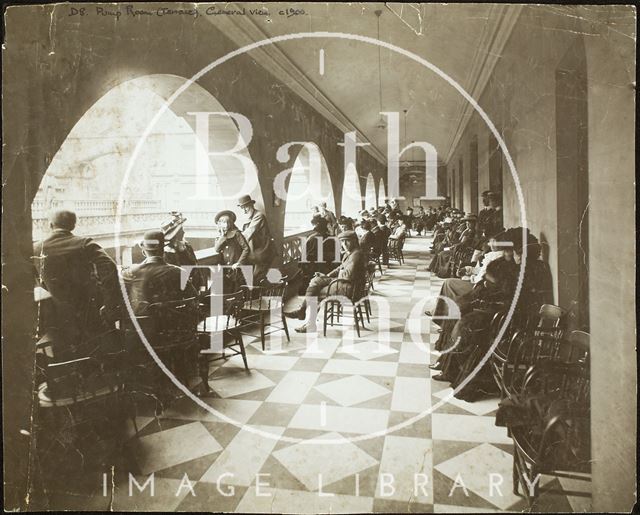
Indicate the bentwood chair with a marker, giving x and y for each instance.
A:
(83, 406)
(556, 442)
(171, 330)
(333, 310)
(545, 340)
(220, 334)
(263, 306)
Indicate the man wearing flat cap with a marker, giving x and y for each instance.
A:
(352, 271)
(154, 280)
(256, 232)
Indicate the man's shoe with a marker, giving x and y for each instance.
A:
(299, 314)
(301, 329)
(440, 377)
(436, 366)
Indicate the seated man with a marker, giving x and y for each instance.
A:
(318, 239)
(383, 238)
(408, 220)
(83, 282)
(398, 228)
(466, 240)
(332, 223)
(154, 280)
(418, 220)
(345, 224)
(367, 240)
(352, 269)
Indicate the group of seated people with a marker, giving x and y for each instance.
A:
(85, 301)
(364, 241)
(83, 281)
(481, 284)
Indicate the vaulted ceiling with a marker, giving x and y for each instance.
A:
(459, 39)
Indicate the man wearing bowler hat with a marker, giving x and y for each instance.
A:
(154, 280)
(256, 231)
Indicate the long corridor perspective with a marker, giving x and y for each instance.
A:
(319, 258)
(320, 389)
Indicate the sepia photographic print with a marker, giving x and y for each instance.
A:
(319, 257)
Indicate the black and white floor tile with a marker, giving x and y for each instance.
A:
(347, 391)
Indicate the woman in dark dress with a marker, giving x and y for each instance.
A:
(232, 249)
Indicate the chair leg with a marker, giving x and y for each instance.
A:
(366, 311)
(325, 315)
(204, 373)
(284, 324)
(356, 310)
(262, 337)
(515, 475)
(242, 351)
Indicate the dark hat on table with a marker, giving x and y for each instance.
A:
(172, 226)
(244, 200)
(348, 235)
(226, 212)
(152, 240)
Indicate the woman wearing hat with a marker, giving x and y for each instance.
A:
(178, 251)
(233, 249)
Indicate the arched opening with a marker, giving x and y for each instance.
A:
(175, 169)
(382, 194)
(370, 199)
(309, 185)
(351, 193)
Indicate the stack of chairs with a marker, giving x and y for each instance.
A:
(543, 376)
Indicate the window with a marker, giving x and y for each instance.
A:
(168, 171)
(370, 199)
(309, 185)
(351, 193)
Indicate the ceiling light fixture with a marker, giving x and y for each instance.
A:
(405, 162)
(382, 123)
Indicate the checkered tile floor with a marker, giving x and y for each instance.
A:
(348, 391)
